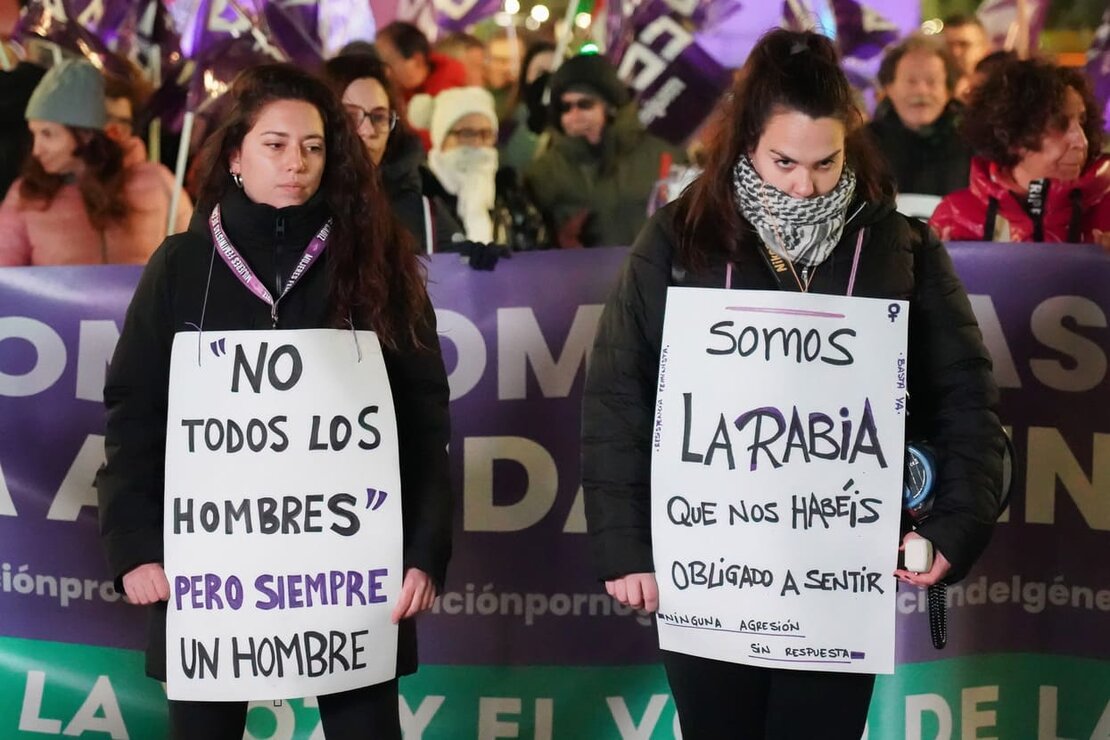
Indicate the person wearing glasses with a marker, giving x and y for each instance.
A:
(463, 174)
(374, 104)
(593, 182)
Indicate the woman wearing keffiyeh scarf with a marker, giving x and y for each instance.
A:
(795, 198)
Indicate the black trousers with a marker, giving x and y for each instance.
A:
(728, 701)
(369, 713)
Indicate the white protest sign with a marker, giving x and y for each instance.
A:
(283, 515)
(777, 462)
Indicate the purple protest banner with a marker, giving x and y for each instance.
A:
(1098, 66)
(521, 589)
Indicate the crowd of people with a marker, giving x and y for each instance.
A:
(399, 148)
(485, 148)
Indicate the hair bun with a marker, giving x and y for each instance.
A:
(420, 111)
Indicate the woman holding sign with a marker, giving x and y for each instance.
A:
(284, 171)
(793, 199)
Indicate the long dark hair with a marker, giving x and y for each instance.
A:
(786, 71)
(101, 183)
(373, 271)
(339, 72)
(1021, 101)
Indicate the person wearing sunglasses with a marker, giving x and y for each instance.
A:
(593, 181)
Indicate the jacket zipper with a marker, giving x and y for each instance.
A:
(279, 236)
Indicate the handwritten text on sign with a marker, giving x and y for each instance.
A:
(283, 515)
(776, 477)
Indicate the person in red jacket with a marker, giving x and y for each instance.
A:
(1038, 175)
(415, 67)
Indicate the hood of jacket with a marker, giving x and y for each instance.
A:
(400, 167)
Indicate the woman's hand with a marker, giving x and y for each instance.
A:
(940, 568)
(637, 590)
(1102, 238)
(146, 584)
(417, 594)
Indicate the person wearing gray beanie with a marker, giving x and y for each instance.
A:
(75, 201)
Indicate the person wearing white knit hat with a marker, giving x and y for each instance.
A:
(463, 126)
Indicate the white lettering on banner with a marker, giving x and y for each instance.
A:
(7, 506)
(100, 712)
(283, 515)
(470, 348)
(77, 490)
(1086, 367)
(50, 356)
(92, 14)
(521, 344)
(1050, 460)
(480, 513)
(777, 500)
(918, 705)
(630, 729)
(413, 723)
(1005, 371)
(491, 726)
(972, 717)
(96, 343)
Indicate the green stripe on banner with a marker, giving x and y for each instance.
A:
(49, 688)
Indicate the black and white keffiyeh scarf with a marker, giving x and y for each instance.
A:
(802, 230)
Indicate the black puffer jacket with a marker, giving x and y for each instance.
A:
(400, 170)
(933, 160)
(953, 393)
(170, 298)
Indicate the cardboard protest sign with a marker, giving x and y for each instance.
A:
(283, 515)
(776, 477)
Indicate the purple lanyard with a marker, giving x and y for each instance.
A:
(243, 271)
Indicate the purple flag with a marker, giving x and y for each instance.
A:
(861, 32)
(55, 22)
(676, 82)
(104, 18)
(456, 15)
(1098, 67)
(206, 24)
(1000, 18)
(295, 25)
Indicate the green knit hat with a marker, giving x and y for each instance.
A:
(71, 94)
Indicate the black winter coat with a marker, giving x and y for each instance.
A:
(953, 395)
(171, 297)
(933, 160)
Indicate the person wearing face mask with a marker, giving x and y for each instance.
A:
(77, 201)
(594, 180)
(463, 173)
(793, 197)
(1038, 174)
(285, 184)
(916, 123)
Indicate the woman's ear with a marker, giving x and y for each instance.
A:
(233, 162)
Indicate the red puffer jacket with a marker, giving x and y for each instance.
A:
(990, 210)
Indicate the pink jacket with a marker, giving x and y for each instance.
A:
(61, 234)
